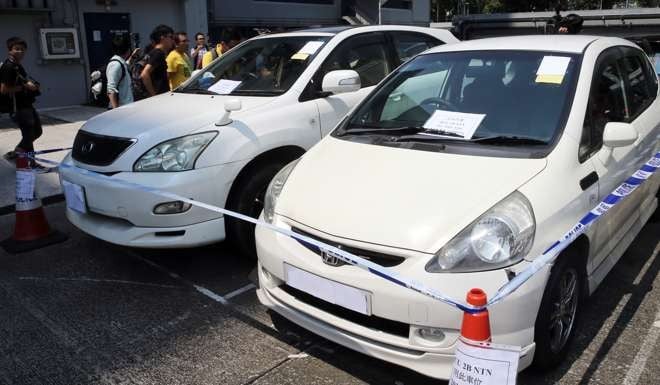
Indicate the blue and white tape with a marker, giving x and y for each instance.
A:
(623, 190)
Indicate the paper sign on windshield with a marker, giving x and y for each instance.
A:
(552, 69)
(311, 47)
(224, 86)
(456, 123)
(486, 364)
(307, 50)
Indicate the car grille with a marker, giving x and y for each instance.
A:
(369, 321)
(98, 150)
(384, 260)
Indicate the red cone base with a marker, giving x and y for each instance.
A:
(476, 326)
(31, 225)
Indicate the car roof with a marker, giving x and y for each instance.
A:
(552, 43)
(332, 30)
(350, 30)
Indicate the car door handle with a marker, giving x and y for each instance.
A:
(588, 180)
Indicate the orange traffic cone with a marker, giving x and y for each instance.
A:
(31, 230)
(478, 360)
(476, 326)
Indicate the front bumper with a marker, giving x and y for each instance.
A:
(124, 215)
(512, 321)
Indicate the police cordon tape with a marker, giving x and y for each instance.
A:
(624, 189)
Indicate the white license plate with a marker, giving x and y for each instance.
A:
(75, 197)
(327, 290)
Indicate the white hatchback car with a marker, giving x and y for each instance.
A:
(459, 169)
(286, 91)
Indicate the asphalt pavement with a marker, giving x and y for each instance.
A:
(88, 312)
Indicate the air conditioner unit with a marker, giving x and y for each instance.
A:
(59, 43)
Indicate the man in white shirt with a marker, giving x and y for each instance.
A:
(118, 74)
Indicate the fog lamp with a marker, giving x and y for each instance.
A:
(434, 335)
(175, 207)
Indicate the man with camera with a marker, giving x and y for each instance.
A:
(20, 92)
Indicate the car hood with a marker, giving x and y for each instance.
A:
(167, 116)
(402, 198)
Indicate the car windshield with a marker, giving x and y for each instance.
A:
(260, 67)
(477, 97)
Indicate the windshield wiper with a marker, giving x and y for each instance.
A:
(375, 130)
(201, 91)
(509, 139)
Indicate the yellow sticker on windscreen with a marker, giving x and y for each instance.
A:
(307, 50)
(299, 56)
(552, 69)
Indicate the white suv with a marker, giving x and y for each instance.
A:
(221, 136)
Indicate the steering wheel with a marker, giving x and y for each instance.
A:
(436, 103)
(249, 76)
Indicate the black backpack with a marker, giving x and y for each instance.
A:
(99, 80)
(6, 101)
(137, 65)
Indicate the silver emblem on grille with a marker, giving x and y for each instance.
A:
(87, 147)
(331, 259)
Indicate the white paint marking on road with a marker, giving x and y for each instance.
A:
(638, 364)
(212, 295)
(239, 291)
(645, 352)
(84, 279)
(216, 297)
(299, 355)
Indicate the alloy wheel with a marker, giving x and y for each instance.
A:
(564, 309)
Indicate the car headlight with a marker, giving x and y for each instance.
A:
(178, 154)
(275, 189)
(500, 237)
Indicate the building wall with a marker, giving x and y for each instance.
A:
(145, 14)
(420, 14)
(65, 82)
(62, 81)
(271, 13)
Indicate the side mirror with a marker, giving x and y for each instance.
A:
(230, 105)
(618, 134)
(341, 81)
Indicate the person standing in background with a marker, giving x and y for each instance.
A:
(22, 92)
(154, 74)
(197, 53)
(179, 66)
(214, 53)
(117, 72)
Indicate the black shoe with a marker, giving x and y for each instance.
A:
(10, 156)
(38, 167)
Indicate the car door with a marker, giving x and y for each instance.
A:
(368, 54)
(641, 93)
(609, 101)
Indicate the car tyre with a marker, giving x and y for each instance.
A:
(559, 312)
(247, 198)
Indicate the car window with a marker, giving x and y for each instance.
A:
(258, 67)
(638, 92)
(502, 89)
(412, 92)
(607, 103)
(409, 44)
(365, 54)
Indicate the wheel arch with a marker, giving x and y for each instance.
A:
(283, 153)
(579, 249)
